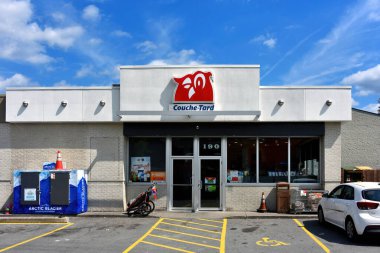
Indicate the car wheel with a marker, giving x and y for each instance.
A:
(321, 216)
(351, 233)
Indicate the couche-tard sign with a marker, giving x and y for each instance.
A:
(194, 92)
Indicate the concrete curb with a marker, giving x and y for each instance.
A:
(155, 214)
(204, 215)
(32, 219)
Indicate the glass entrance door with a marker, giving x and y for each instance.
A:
(182, 188)
(210, 183)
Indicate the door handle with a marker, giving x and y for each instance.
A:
(200, 185)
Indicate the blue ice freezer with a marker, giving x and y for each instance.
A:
(49, 192)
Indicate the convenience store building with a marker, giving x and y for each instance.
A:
(210, 136)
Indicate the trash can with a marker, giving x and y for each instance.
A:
(283, 197)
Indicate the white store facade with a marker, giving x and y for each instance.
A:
(210, 136)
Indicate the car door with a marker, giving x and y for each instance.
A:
(343, 204)
(329, 209)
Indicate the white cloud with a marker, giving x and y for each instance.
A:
(58, 16)
(271, 43)
(373, 16)
(95, 41)
(91, 13)
(17, 80)
(147, 46)
(161, 51)
(21, 39)
(120, 33)
(266, 40)
(182, 57)
(84, 71)
(363, 93)
(350, 44)
(288, 53)
(354, 102)
(367, 81)
(371, 108)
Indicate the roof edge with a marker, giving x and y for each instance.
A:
(186, 66)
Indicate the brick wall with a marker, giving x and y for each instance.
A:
(331, 155)
(97, 148)
(245, 198)
(361, 140)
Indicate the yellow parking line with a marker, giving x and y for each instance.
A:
(34, 238)
(188, 234)
(184, 241)
(192, 228)
(196, 223)
(211, 220)
(167, 247)
(143, 237)
(315, 239)
(223, 237)
(32, 223)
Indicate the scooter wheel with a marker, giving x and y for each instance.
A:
(152, 205)
(145, 209)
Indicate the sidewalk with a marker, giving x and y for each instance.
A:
(27, 218)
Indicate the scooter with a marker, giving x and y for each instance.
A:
(142, 205)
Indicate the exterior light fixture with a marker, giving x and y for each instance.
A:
(280, 102)
(25, 103)
(102, 103)
(328, 102)
(64, 103)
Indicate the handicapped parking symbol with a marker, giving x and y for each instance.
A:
(266, 242)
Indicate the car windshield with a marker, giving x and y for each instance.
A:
(372, 195)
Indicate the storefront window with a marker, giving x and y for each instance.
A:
(273, 160)
(182, 146)
(147, 159)
(241, 160)
(305, 165)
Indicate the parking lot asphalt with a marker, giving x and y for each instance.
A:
(122, 234)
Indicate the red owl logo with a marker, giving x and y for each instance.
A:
(195, 87)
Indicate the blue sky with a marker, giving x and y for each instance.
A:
(82, 42)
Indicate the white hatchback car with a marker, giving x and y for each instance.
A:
(355, 207)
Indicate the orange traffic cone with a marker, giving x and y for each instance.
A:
(263, 205)
(58, 163)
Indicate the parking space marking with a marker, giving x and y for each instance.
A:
(184, 241)
(37, 237)
(188, 234)
(266, 242)
(32, 223)
(192, 228)
(195, 223)
(211, 220)
(223, 237)
(167, 247)
(143, 237)
(315, 239)
(168, 237)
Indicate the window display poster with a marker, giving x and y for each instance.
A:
(157, 176)
(210, 180)
(210, 188)
(30, 194)
(140, 169)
